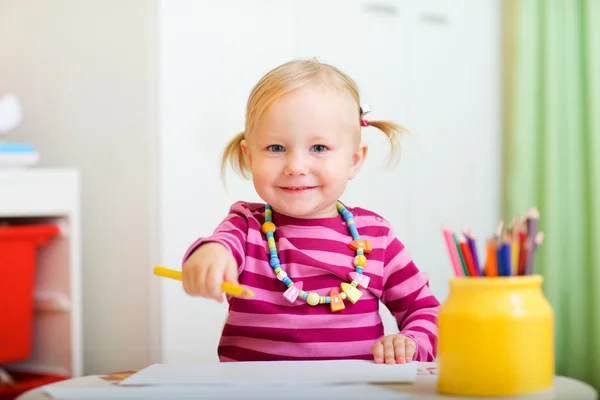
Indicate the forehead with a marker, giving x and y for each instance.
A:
(315, 109)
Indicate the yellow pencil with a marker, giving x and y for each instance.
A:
(227, 287)
(516, 249)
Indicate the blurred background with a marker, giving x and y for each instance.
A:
(138, 98)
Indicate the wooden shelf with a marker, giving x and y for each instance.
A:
(39, 195)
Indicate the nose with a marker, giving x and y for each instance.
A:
(295, 165)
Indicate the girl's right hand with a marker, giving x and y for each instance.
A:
(207, 268)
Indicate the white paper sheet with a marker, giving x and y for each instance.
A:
(278, 373)
(237, 392)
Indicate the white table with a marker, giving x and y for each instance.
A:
(423, 388)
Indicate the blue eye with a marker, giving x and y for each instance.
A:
(319, 148)
(276, 148)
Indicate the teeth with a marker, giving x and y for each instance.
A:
(297, 188)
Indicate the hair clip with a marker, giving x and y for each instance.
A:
(364, 110)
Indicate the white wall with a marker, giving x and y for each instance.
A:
(98, 97)
(432, 65)
(84, 71)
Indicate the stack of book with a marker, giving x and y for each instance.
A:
(17, 155)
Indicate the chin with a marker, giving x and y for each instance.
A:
(295, 210)
(300, 205)
(301, 209)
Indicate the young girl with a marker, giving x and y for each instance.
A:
(318, 268)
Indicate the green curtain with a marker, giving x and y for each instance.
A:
(552, 160)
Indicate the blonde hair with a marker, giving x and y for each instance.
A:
(285, 79)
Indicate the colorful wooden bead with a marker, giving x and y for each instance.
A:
(313, 298)
(293, 291)
(268, 227)
(353, 231)
(360, 261)
(281, 275)
(348, 290)
(336, 302)
(360, 279)
(352, 293)
(363, 244)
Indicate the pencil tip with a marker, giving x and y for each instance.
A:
(539, 238)
(532, 213)
(499, 228)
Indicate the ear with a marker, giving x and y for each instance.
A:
(246, 151)
(358, 158)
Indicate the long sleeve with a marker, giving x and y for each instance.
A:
(231, 232)
(406, 294)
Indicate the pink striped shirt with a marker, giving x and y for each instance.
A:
(268, 327)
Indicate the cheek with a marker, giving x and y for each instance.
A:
(264, 170)
(339, 165)
(261, 183)
(334, 174)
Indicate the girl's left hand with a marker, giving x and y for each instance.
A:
(394, 349)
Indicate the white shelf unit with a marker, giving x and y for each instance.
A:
(50, 195)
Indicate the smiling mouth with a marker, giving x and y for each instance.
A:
(296, 188)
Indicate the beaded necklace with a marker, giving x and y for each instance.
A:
(348, 291)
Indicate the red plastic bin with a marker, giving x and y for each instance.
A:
(18, 260)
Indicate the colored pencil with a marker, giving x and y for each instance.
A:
(452, 252)
(531, 216)
(473, 248)
(491, 262)
(513, 234)
(539, 238)
(508, 252)
(464, 247)
(229, 288)
(460, 255)
(503, 254)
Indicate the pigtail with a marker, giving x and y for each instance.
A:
(232, 154)
(393, 131)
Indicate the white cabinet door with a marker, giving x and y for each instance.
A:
(434, 66)
(211, 54)
(454, 66)
(366, 40)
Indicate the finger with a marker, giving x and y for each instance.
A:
(231, 275)
(400, 350)
(185, 279)
(199, 281)
(231, 271)
(189, 278)
(411, 349)
(389, 351)
(214, 280)
(377, 350)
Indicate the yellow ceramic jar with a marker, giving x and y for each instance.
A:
(496, 337)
